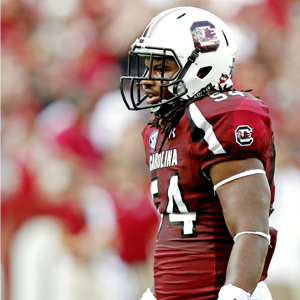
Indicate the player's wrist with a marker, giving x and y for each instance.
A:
(148, 295)
(231, 292)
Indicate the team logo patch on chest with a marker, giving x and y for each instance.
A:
(153, 140)
(243, 135)
(172, 134)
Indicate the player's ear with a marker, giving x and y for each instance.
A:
(204, 71)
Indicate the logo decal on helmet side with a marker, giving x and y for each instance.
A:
(153, 140)
(223, 78)
(243, 135)
(204, 36)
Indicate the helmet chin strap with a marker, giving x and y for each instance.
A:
(158, 111)
(155, 109)
(191, 59)
(165, 106)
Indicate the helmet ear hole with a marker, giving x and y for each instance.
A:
(203, 72)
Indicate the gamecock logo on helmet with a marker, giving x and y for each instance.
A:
(243, 135)
(204, 36)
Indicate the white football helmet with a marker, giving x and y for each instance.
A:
(200, 43)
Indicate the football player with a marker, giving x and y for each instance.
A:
(211, 155)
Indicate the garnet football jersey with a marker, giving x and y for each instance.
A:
(193, 238)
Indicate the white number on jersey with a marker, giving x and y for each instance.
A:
(222, 96)
(183, 217)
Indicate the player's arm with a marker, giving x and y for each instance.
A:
(245, 203)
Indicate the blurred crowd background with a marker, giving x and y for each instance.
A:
(77, 220)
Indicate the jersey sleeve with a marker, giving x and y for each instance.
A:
(238, 127)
